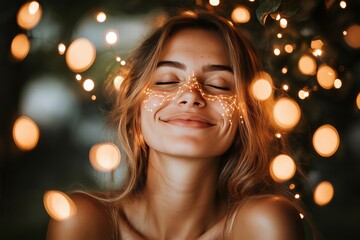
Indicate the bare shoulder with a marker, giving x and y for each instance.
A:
(92, 221)
(268, 217)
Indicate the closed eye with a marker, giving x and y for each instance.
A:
(165, 83)
(219, 87)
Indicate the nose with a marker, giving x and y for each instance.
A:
(191, 98)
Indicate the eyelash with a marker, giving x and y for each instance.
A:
(165, 83)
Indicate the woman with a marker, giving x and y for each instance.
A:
(198, 145)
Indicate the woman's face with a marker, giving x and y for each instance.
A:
(190, 108)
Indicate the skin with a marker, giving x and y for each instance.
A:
(179, 199)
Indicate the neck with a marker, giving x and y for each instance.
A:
(180, 195)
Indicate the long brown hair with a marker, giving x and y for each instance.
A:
(245, 168)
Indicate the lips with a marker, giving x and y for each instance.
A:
(188, 120)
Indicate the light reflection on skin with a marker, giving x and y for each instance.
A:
(227, 102)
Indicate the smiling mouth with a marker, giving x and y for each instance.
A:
(189, 123)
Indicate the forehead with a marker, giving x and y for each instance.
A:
(196, 43)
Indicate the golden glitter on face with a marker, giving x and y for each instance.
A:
(155, 98)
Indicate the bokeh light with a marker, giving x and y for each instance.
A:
(29, 15)
(326, 140)
(20, 47)
(118, 81)
(61, 48)
(326, 76)
(277, 51)
(25, 133)
(337, 83)
(80, 55)
(111, 37)
(105, 156)
(100, 17)
(214, 2)
(283, 23)
(317, 44)
(352, 37)
(289, 48)
(323, 193)
(88, 85)
(58, 205)
(307, 65)
(358, 101)
(262, 87)
(282, 168)
(342, 4)
(240, 14)
(286, 113)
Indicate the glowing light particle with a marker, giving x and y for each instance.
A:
(61, 48)
(286, 113)
(337, 83)
(80, 55)
(118, 81)
(284, 70)
(111, 37)
(283, 23)
(307, 65)
(352, 36)
(58, 205)
(326, 140)
(282, 168)
(100, 17)
(262, 89)
(240, 14)
(326, 76)
(277, 51)
(78, 77)
(323, 193)
(25, 133)
(342, 4)
(105, 156)
(289, 48)
(88, 85)
(29, 15)
(20, 47)
(214, 2)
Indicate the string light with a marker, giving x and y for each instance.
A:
(297, 196)
(285, 87)
(279, 35)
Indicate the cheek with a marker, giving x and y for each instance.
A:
(155, 99)
(226, 106)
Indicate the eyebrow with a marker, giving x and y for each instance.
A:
(206, 68)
